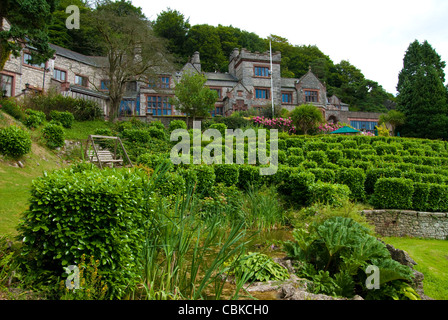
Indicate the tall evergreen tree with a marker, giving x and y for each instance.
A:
(29, 21)
(422, 95)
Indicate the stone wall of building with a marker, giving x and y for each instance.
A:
(401, 223)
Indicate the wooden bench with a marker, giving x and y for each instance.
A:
(99, 156)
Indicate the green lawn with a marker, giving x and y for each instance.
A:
(431, 257)
(82, 130)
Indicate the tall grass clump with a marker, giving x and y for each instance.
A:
(183, 256)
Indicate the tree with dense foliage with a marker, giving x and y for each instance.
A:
(133, 51)
(422, 96)
(29, 20)
(306, 117)
(394, 118)
(172, 25)
(84, 40)
(192, 97)
(205, 39)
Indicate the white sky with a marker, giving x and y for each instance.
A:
(372, 35)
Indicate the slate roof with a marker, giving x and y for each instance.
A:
(69, 54)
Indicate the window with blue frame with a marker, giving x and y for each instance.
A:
(217, 111)
(126, 107)
(163, 83)
(261, 71)
(366, 125)
(287, 98)
(159, 106)
(262, 93)
(105, 85)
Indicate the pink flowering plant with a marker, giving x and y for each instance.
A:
(326, 128)
(281, 124)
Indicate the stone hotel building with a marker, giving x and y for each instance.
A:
(246, 85)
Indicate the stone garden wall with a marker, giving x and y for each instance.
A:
(400, 223)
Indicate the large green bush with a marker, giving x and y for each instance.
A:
(227, 174)
(82, 109)
(296, 187)
(94, 212)
(374, 174)
(354, 178)
(329, 193)
(65, 118)
(11, 107)
(334, 255)
(54, 135)
(393, 193)
(14, 141)
(34, 119)
(177, 124)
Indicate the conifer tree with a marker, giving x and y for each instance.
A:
(422, 96)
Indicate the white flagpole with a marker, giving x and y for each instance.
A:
(272, 80)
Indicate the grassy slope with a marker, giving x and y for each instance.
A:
(431, 257)
(15, 182)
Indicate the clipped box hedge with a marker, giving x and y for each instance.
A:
(393, 193)
(329, 193)
(98, 213)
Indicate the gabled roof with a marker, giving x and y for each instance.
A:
(69, 54)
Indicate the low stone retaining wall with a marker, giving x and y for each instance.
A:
(400, 223)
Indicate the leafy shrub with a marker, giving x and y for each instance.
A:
(154, 160)
(324, 175)
(157, 133)
(171, 184)
(227, 174)
(257, 266)
(206, 178)
(34, 119)
(296, 188)
(11, 107)
(294, 161)
(374, 174)
(349, 144)
(352, 153)
(316, 146)
(14, 141)
(65, 118)
(332, 194)
(282, 145)
(295, 152)
(354, 178)
(248, 176)
(157, 124)
(334, 254)
(221, 127)
(334, 155)
(120, 126)
(82, 109)
(136, 135)
(393, 193)
(94, 212)
(438, 198)
(177, 124)
(421, 196)
(294, 143)
(317, 156)
(54, 135)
